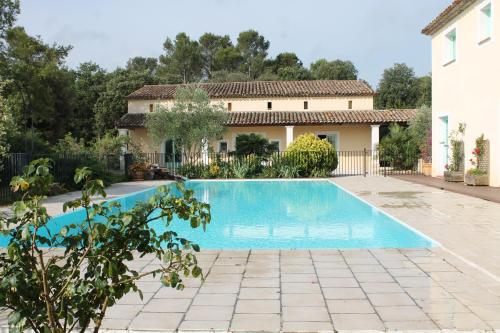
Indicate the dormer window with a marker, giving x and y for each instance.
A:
(229, 106)
(269, 105)
(306, 105)
(349, 105)
(450, 46)
(485, 22)
(151, 107)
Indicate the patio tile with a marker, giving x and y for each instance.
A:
(219, 288)
(255, 322)
(259, 293)
(305, 314)
(374, 277)
(258, 306)
(150, 286)
(262, 272)
(349, 321)
(209, 312)
(350, 306)
(260, 282)
(367, 268)
(425, 293)
(376, 287)
(449, 305)
(204, 325)
(331, 265)
(339, 273)
(459, 321)
(295, 261)
(152, 321)
(215, 299)
(221, 278)
(299, 278)
(406, 272)
(486, 312)
(167, 305)
(300, 288)
(471, 297)
(297, 269)
(390, 299)
(415, 281)
(234, 253)
(227, 269)
(302, 300)
(174, 293)
(123, 311)
(135, 298)
(411, 325)
(309, 326)
(401, 313)
(338, 282)
(115, 324)
(344, 293)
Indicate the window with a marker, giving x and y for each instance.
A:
(151, 108)
(229, 106)
(306, 105)
(485, 22)
(222, 146)
(269, 105)
(349, 105)
(333, 138)
(275, 145)
(450, 47)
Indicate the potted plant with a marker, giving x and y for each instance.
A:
(477, 175)
(426, 153)
(454, 169)
(137, 170)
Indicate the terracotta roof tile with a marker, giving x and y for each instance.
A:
(456, 8)
(275, 118)
(316, 88)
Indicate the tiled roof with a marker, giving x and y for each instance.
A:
(456, 8)
(274, 118)
(318, 88)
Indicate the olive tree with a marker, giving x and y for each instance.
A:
(63, 280)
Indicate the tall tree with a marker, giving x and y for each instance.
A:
(112, 102)
(142, 64)
(9, 9)
(40, 87)
(424, 91)
(398, 88)
(89, 82)
(253, 48)
(182, 61)
(216, 52)
(333, 70)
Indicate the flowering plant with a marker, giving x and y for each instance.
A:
(477, 160)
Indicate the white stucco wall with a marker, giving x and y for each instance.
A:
(467, 90)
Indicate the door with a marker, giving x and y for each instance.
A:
(172, 156)
(330, 137)
(444, 142)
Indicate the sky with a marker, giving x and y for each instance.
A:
(373, 34)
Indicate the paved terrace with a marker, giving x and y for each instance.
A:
(326, 290)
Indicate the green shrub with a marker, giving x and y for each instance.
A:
(241, 168)
(254, 144)
(193, 171)
(398, 149)
(311, 154)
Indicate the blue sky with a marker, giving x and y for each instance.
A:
(373, 34)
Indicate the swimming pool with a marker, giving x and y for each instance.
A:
(267, 214)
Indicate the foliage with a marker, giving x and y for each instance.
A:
(294, 73)
(457, 149)
(241, 168)
(312, 155)
(218, 53)
(333, 70)
(252, 143)
(70, 145)
(75, 287)
(27, 142)
(477, 161)
(398, 88)
(425, 91)
(192, 120)
(253, 49)
(420, 130)
(398, 149)
(5, 121)
(226, 76)
(9, 9)
(182, 61)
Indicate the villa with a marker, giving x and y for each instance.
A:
(465, 80)
(339, 111)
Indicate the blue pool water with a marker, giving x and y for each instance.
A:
(282, 214)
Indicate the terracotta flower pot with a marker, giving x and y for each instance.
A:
(477, 180)
(454, 176)
(427, 169)
(138, 175)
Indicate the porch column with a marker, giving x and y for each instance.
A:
(375, 137)
(289, 135)
(123, 132)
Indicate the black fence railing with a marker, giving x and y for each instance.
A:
(64, 166)
(349, 163)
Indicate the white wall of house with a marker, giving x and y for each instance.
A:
(278, 104)
(466, 83)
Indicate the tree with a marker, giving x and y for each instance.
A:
(191, 122)
(398, 88)
(5, 121)
(253, 48)
(89, 83)
(141, 64)
(333, 70)
(294, 73)
(40, 88)
(59, 291)
(225, 76)
(424, 91)
(398, 149)
(9, 9)
(182, 61)
(112, 104)
(420, 130)
(218, 53)
(248, 144)
(285, 59)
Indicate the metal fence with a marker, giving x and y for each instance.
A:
(64, 166)
(359, 162)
